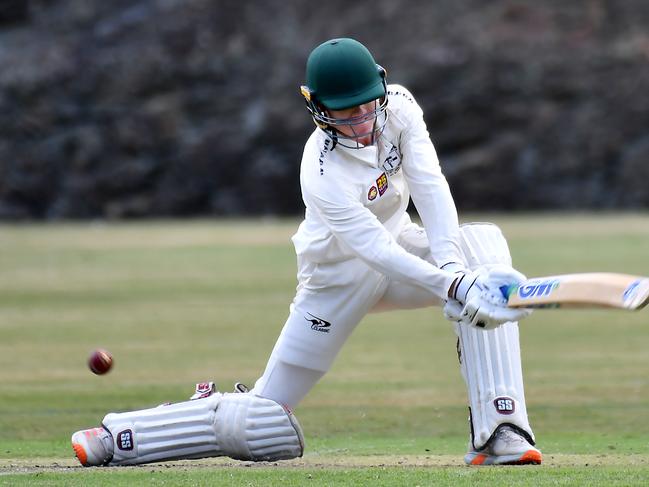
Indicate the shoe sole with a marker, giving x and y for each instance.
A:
(530, 457)
(80, 452)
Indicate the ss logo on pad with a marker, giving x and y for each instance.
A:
(505, 405)
(125, 440)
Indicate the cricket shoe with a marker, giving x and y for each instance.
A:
(93, 447)
(506, 447)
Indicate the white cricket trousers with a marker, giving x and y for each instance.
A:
(331, 300)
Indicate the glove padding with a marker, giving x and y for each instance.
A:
(478, 300)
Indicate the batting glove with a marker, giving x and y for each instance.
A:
(476, 299)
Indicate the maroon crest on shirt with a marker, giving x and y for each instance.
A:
(382, 184)
(371, 194)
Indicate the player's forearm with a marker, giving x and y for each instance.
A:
(432, 197)
(438, 214)
(439, 217)
(391, 259)
(361, 232)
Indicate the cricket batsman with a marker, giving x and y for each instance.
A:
(357, 252)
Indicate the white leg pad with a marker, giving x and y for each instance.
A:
(490, 360)
(240, 426)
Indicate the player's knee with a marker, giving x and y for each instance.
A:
(484, 244)
(250, 427)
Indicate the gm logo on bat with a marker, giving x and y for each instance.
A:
(631, 291)
(536, 289)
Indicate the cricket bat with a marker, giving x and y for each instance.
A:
(587, 290)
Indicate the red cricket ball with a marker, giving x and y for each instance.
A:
(100, 361)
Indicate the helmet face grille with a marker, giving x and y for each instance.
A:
(330, 125)
(325, 118)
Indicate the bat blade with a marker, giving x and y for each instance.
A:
(586, 290)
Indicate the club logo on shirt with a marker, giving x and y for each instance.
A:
(318, 324)
(371, 194)
(392, 164)
(382, 184)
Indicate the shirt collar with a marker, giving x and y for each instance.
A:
(367, 155)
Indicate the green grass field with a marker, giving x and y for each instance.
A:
(182, 302)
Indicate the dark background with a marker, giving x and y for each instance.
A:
(115, 109)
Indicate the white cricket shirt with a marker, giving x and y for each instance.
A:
(356, 199)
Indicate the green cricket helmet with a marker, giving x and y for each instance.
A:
(340, 74)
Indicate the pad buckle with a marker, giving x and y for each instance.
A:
(203, 389)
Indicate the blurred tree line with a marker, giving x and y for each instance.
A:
(133, 108)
